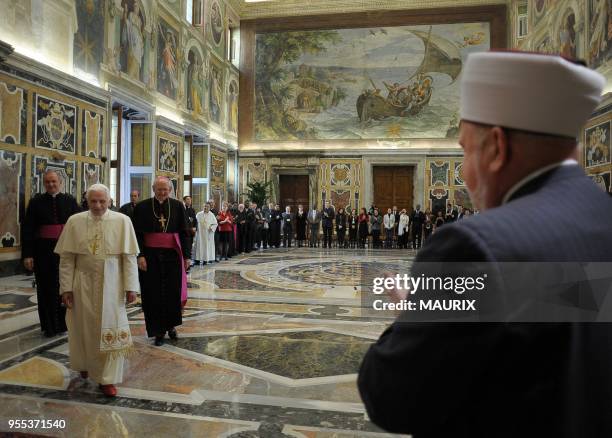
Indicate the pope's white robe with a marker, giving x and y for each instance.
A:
(98, 264)
(205, 237)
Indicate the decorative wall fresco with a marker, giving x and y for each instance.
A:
(195, 83)
(167, 59)
(215, 93)
(12, 114)
(55, 124)
(578, 29)
(89, 39)
(599, 32)
(538, 10)
(362, 83)
(66, 169)
(232, 105)
(135, 46)
(173, 5)
(340, 181)
(12, 170)
(133, 42)
(215, 25)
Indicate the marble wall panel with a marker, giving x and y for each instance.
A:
(55, 124)
(90, 175)
(597, 147)
(444, 184)
(340, 181)
(12, 170)
(12, 114)
(93, 134)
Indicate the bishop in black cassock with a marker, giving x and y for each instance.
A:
(44, 219)
(160, 224)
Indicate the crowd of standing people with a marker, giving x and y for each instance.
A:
(241, 228)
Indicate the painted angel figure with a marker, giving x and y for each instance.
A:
(132, 38)
(168, 62)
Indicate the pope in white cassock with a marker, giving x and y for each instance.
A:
(205, 237)
(98, 275)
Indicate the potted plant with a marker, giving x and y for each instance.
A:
(258, 192)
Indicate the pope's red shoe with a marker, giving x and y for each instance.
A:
(109, 390)
(84, 374)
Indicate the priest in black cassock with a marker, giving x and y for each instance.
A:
(165, 251)
(44, 220)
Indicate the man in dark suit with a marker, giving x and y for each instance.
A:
(314, 219)
(416, 221)
(502, 379)
(327, 220)
(128, 208)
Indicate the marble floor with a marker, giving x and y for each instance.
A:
(270, 346)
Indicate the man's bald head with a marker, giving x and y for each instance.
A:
(161, 188)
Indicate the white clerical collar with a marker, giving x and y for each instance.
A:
(53, 195)
(534, 175)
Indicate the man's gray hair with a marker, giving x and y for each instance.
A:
(98, 188)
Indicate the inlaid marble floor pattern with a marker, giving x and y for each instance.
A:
(270, 346)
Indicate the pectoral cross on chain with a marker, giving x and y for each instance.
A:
(162, 221)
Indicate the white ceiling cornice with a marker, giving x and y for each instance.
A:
(289, 8)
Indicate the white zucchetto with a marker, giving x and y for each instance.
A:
(528, 91)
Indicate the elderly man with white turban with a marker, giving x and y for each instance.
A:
(98, 276)
(527, 373)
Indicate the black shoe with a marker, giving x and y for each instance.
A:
(49, 333)
(172, 334)
(159, 341)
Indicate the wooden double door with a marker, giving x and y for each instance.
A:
(393, 185)
(293, 191)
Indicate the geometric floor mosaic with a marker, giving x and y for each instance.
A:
(269, 347)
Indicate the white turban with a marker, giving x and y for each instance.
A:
(531, 92)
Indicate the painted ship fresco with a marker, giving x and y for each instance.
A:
(409, 98)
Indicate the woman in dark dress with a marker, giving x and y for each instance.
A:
(439, 221)
(363, 227)
(300, 221)
(352, 224)
(341, 227)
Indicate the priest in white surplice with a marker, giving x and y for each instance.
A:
(205, 237)
(98, 275)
